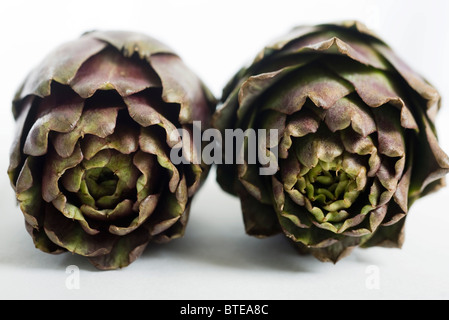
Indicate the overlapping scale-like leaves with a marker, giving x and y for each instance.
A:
(90, 165)
(357, 143)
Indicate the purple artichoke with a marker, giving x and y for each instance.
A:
(356, 141)
(90, 164)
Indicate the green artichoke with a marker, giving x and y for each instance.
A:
(356, 140)
(90, 164)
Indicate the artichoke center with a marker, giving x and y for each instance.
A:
(329, 190)
(101, 182)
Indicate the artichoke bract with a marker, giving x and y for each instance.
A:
(90, 164)
(356, 143)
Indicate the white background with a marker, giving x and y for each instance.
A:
(215, 259)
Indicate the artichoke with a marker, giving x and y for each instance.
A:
(90, 164)
(356, 142)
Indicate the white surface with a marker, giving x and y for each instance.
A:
(216, 260)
